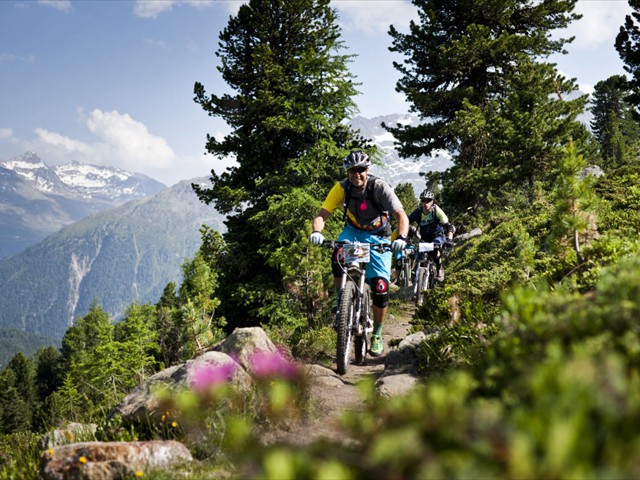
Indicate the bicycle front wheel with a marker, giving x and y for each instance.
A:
(345, 321)
(422, 280)
(406, 274)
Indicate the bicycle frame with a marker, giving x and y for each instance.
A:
(352, 322)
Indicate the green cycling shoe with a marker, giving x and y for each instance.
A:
(377, 346)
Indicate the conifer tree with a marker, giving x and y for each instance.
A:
(574, 219)
(168, 332)
(47, 372)
(291, 92)
(407, 196)
(83, 346)
(474, 70)
(136, 339)
(628, 47)
(613, 124)
(16, 412)
(17, 393)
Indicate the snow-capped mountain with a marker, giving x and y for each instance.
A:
(87, 181)
(396, 170)
(37, 200)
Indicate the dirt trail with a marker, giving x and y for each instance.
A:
(334, 394)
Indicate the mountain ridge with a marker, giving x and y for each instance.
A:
(37, 200)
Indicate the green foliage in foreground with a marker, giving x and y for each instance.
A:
(552, 394)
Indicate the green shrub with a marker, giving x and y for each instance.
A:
(19, 456)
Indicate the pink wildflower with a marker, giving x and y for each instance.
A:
(273, 364)
(210, 375)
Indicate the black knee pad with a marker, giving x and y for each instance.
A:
(380, 291)
(337, 262)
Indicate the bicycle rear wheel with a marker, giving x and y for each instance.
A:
(362, 341)
(345, 320)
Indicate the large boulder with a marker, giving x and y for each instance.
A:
(243, 343)
(233, 354)
(110, 460)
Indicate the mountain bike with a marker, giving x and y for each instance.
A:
(405, 264)
(353, 321)
(425, 270)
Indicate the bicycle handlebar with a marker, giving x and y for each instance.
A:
(380, 247)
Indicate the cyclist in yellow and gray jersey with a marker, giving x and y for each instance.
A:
(368, 201)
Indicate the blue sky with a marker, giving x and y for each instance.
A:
(111, 82)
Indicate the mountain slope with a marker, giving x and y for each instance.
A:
(394, 169)
(36, 200)
(117, 257)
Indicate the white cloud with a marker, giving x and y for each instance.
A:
(62, 5)
(6, 133)
(153, 8)
(60, 141)
(119, 141)
(600, 23)
(10, 57)
(127, 142)
(374, 17)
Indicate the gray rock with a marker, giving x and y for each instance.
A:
(400, 373)
(110, 460)
(396, 385)
(592, 170)
(244, 342)
(142, 404)
(476, 232)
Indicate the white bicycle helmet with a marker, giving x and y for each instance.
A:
(427, 195)
(356, 159)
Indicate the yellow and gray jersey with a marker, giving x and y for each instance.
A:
(363, 212)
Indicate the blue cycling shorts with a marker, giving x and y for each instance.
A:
(380, 263)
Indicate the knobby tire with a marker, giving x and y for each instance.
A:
(423, 284)
(361, 341)
(346, 311)
(406, 274)
(432, 275)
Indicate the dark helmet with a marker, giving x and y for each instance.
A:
(427, 195)
(356, 159)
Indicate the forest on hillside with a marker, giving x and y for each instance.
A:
(535, 367)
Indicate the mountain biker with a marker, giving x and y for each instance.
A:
(434, 225)
(368, 201)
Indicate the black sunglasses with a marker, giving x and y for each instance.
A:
(357, 169)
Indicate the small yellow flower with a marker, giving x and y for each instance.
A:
(82, 460)
(139, 474)
(174, 424)
(50, 451)
(163, 418)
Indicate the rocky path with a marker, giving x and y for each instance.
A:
(334, 394)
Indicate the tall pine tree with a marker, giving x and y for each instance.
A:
(474, 70)
(292, 93)
(613, 125)
(628, 47)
